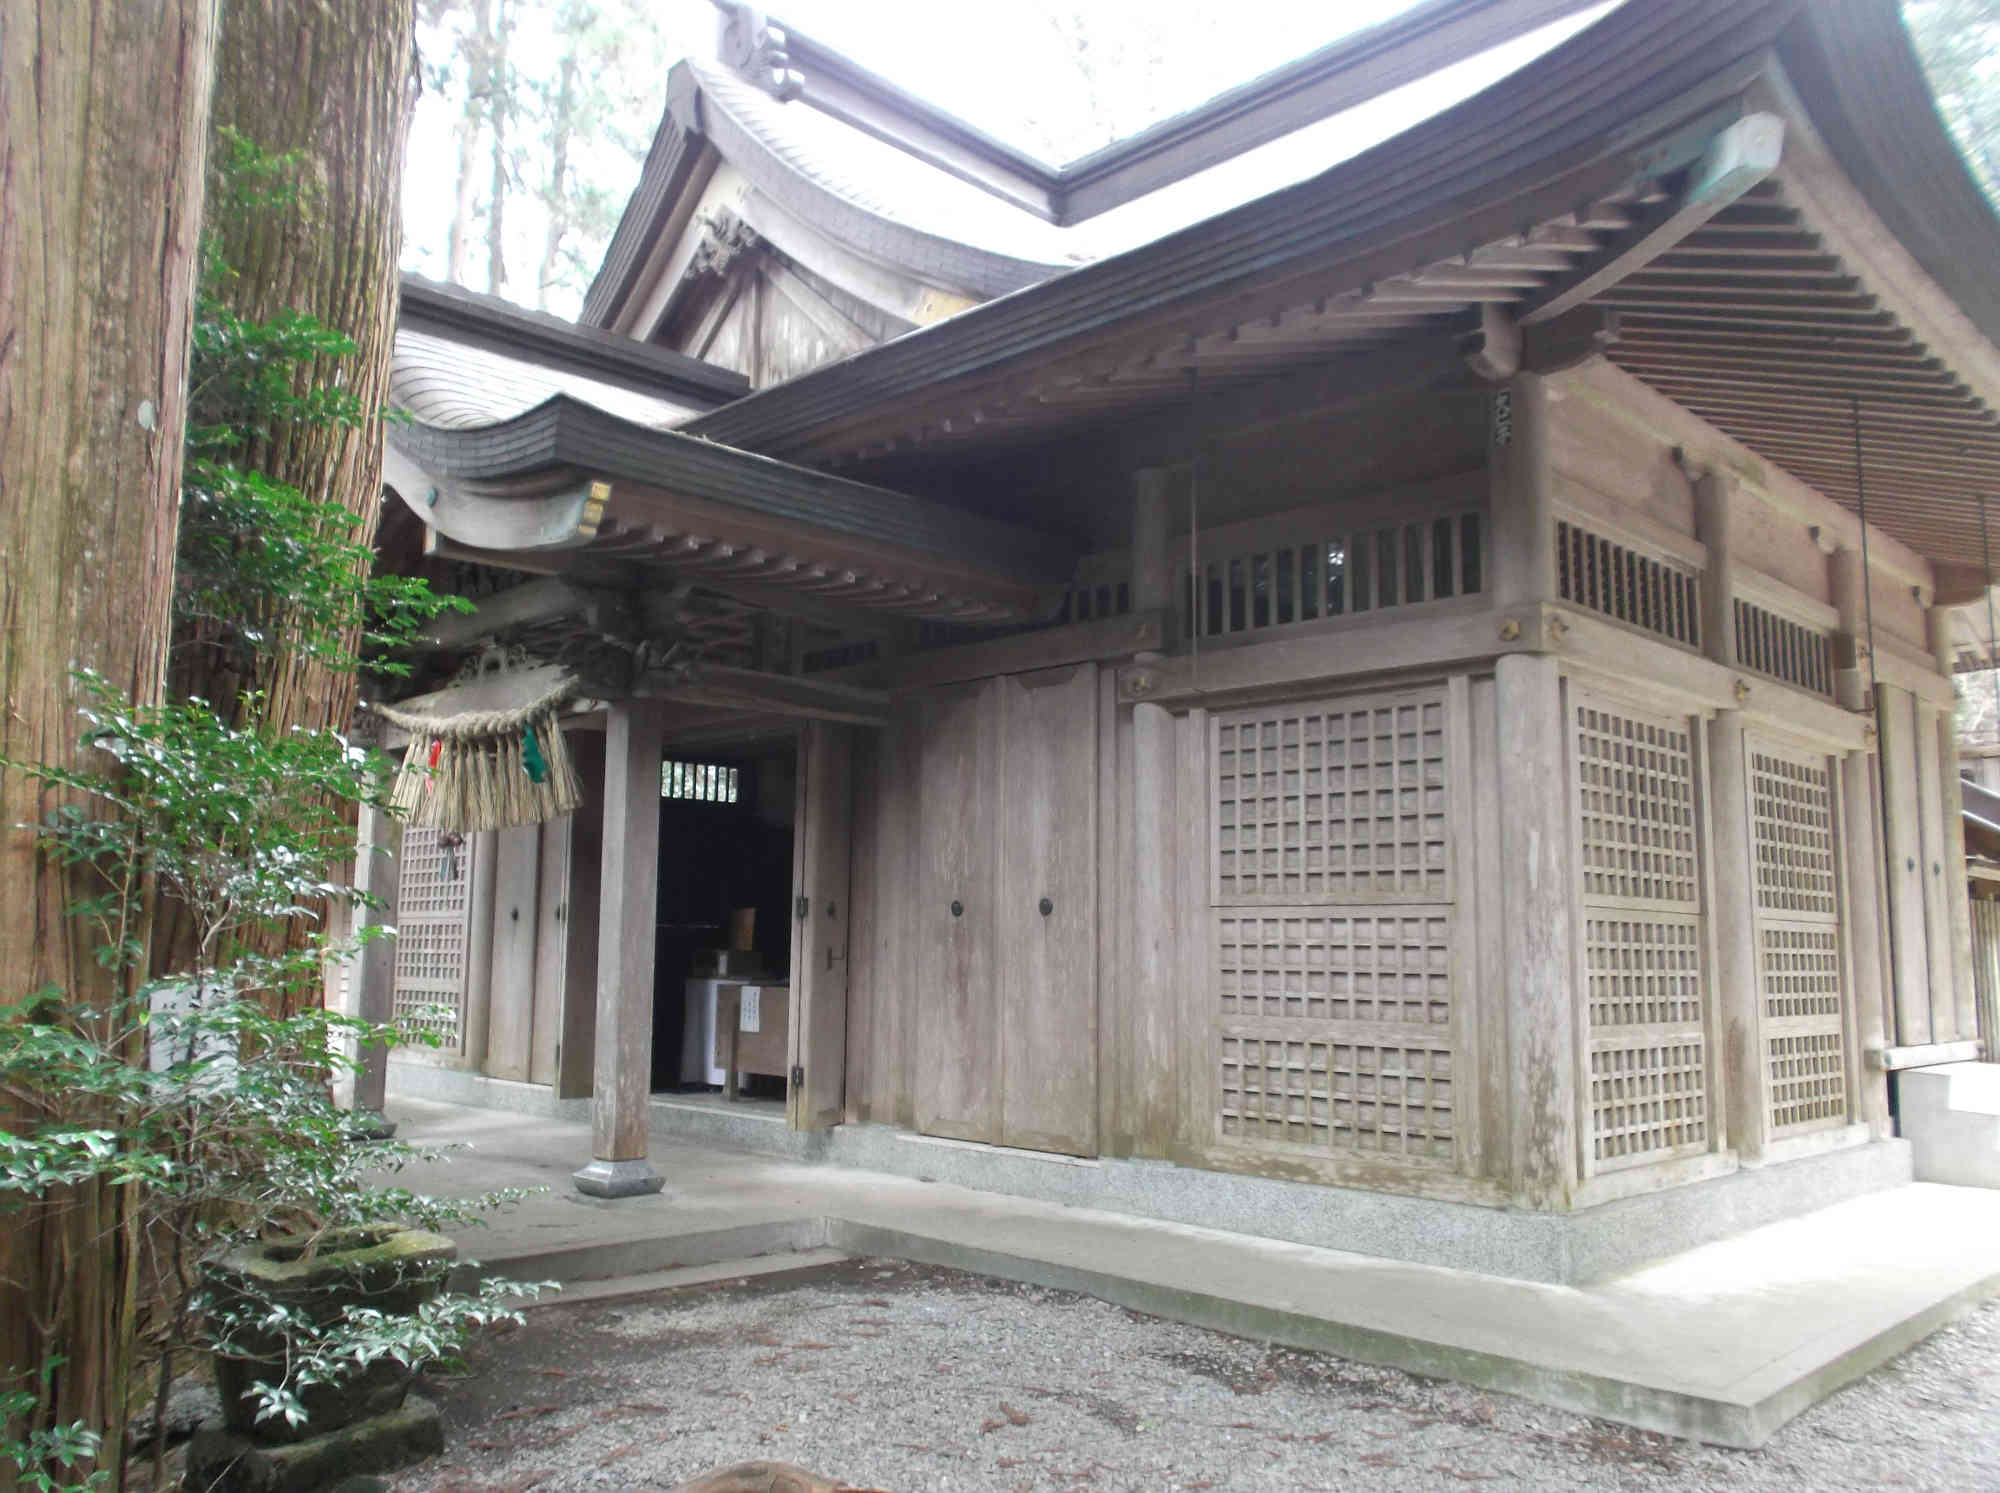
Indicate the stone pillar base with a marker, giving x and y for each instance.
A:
(618, 1179)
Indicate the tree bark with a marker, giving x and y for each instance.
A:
(332, 80)
(103, 133)
(499, 105)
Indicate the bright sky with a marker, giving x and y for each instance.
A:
(1056, 78)
(1011, 70)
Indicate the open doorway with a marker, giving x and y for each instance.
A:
(723, 957)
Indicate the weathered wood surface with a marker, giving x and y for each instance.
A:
(1153, 1023)
(1536, 908)
(552, 910)
(1930, 800)
(511, 983)
(1904, 866)
(374, 972)
(1736, 991)
(821, 883)
(627, 918)
(480, 855)
(1045, 923)
(958, 1029)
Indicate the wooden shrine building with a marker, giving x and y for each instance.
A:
(1370, 674)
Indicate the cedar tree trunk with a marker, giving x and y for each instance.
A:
(103, 138)
(334, 82)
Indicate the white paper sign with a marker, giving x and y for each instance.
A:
(750, 1013)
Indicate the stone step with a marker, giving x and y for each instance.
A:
(796, 1262)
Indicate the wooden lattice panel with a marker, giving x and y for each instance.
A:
(1786, 650)
(1646, 591)
(1647, 1102)
(1317, 965)
(1338, 1097)
(431, 900)
(1331, 801)
(1795, 842)
(1635, 786)
(1643, 971)
(1808, 1081)
(1791, 815)
(1645, 987)
(1334, 1010)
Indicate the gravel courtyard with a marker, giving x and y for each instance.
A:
(906, 1378)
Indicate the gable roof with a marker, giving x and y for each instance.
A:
(1504, 199)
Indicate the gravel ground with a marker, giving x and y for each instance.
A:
(901, 1377)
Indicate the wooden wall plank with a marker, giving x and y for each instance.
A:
(1046, 961)
(579, 1018)
(516, 884)
(957, 1094)
(551, 948)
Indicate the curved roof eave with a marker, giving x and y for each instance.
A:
(1856, 72)
(698, 115)
(1596, 98)
(536, 452)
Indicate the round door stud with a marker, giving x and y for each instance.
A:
(1047, 907)
(957, 908)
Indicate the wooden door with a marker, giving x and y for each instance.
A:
(551, 950)
(511, 988)
(951, 915)
(816, 1095)
(1046, 911)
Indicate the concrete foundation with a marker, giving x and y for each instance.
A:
(1951, 1117)
(1591, 1244)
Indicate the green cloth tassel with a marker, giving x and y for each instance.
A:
(531, 757)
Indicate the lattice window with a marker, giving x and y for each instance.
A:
(1334, 1010)
(1635, 782)
(1339, 1096)
(1333, 966)
(1658, 595)
(1808, 1081)
(1786, 650)
(1335, 802)
(1342, 574)
(1791, 811)
(1643, 971)
(1648, 1101)
(1796, 849)
(1644, 985)
(700, 782)
(428, 988)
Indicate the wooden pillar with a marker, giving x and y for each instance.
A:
(1522, 492)
(1152, 573)
(1150, 1107)
(1849, 586)
(627, 917)
(1714, 497)
(479, 858)
(1903, 863)
(1535, 893)
(1957, 955)
(1739, 1000)
(1864, 919)
(376, 873)
(1930, 723)
(1536, 918)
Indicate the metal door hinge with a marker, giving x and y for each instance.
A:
(798, 1076)
(801, 907)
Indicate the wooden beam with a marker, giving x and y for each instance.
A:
(1738, 158)
(1051, 647)
(801, 697)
